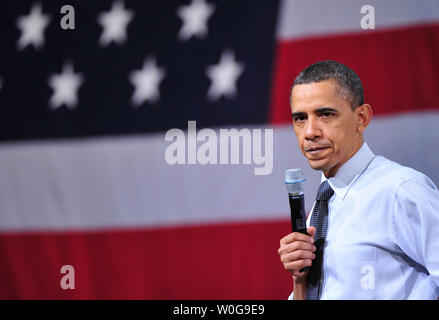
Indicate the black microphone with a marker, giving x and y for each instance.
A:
(294, 180)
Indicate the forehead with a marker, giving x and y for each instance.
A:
(315, 95)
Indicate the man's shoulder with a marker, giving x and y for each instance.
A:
(391, 173)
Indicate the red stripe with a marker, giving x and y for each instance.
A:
(399, 68)
(234, 261)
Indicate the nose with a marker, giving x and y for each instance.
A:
(312, 129)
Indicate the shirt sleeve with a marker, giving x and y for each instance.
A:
(415, 225)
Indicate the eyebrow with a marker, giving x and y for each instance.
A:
(297, 114)
(320, 110)
(325, 109)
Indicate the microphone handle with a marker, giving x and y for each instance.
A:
(298, 220)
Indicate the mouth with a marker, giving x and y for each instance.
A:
(315, 150)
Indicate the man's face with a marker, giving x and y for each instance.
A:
(325, 125)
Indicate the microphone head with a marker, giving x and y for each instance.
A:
(294, 180)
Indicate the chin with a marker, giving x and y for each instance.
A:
(320, 165)
(316, 166)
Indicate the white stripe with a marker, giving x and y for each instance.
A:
(304, 18)
(126, 182)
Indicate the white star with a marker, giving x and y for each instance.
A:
(146, 82)
(224, 76)
(194, 18)
(114, 23)
(65, 87)
(32, 28)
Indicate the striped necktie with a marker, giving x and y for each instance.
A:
(319, 220)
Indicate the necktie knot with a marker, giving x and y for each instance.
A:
(325, 191)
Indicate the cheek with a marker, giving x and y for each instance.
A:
(338, 136)
(299, 136)
(341, 144)
(330, 136)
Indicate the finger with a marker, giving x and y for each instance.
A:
(311, 231)
(297, 265)
(297, 245)
(297, 255)
(296, 236)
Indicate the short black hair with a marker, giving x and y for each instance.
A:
(349, 83)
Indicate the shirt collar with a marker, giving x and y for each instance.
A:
(350, 171)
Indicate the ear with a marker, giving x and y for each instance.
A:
(363, 116)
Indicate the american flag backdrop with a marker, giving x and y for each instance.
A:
(84, 112)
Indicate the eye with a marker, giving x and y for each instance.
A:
(327, 114)
(299, 118)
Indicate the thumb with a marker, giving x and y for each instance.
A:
(311, 231)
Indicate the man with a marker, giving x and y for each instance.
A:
(374, 230)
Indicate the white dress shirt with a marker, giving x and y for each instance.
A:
(383, 232)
